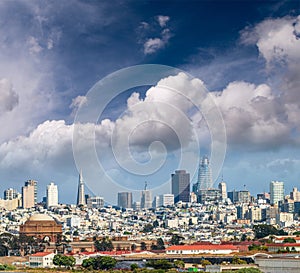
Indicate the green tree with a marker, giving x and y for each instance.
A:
(58, 260)
(148, 228)
(179, 264)
(104, 263)
(133, 247)
(255, 247)
(134, 266)
(247, 270)
(159, 264)
(264, 230)
(88, 263)
(143, 246)
(175, 240)
(237, 260)
(289, 240)
(153, 246)
(155, 224)
(244, 237)
(69, 261)
(104, 245)
(205, 262)
(62, 260)
(160, 244)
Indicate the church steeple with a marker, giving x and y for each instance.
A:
(80, 194)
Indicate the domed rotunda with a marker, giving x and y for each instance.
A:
(41, 226)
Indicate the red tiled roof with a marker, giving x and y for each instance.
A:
(285, 244)
(202, 247)
(41, 254)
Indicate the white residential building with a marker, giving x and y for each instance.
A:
(52, 195)
(41, 259)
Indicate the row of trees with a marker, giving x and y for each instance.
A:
(10, 243)
(104, 263)
(262, 231)
(107, 263)
(96, 263)
(105, 244)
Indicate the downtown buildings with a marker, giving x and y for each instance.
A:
(52, 195)
(276, 192)
(125, 200)
(80, 192)
(29, 194)
(204, 175)
(181, 186)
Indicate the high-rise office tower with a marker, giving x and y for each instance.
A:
(80, 193)
(223, 189)
(204, 175)
(95, 202)
(125, 200)
(155, 203)
(181, 186)
(295, 195)
(136, 205)
(166, 199)
(276, 192)
(34, 184)
(244, 196)
(52, 195)
(146, 199)
(10, 194)
(29, 194)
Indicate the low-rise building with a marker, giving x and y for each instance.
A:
(41, 259)
(201, 249)
(283, 247)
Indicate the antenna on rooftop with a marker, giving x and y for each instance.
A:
(146, 184)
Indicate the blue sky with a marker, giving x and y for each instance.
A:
(246, 53)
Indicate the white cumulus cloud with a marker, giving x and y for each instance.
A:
(162, 20)
(157, 41)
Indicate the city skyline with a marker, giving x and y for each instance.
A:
(144, 195)
(239, 58)
(277, 194)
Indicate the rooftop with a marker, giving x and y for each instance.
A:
(40, 217)
(41, 254)
(201, 247)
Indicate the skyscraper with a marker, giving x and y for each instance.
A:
(146, 199)
(34, 184)
(181, 186)
(29, 194)
(204, 175)
(125, 200)
(52, 195)
(10, 194)
(223, 189)
(80, 193)
(276, 192)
